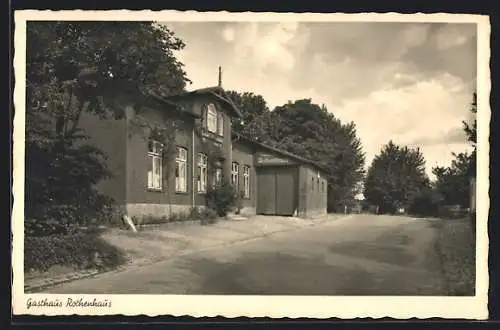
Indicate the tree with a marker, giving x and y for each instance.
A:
(76, 67)
(471, 129)
(395, 177)
(310, 131)
(471, 132)
(452, 182)
(256, 119)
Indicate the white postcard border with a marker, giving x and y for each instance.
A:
(257, 306)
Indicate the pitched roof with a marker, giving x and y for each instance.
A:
(279, 151)
(217, 92)
(159, 98)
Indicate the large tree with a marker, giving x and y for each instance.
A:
(76, 67)
(256, 121)
(395, 177)
(310, 131)
(452, 182)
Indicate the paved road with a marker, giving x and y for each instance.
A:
(358, 255)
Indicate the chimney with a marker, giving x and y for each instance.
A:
(220, 77)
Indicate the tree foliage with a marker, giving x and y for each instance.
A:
(76, 67)
(395, 178)
(452, 182)
(256, 119)
(310, 131)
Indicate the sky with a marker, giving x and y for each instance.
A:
(409, 82)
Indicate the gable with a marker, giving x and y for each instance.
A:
(216, 95)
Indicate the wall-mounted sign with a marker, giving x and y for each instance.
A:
(263, 158)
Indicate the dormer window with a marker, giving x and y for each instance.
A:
(211, 118)
(214, 120)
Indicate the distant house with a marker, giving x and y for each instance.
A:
(271, 181)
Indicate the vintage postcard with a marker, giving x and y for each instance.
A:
(251, 164)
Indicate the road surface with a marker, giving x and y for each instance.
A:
(356, 255)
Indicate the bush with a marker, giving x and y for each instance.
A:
(222, 199)
(66, 219)
(78, 250)
(452, 212)
(425, 203)
(208, 216)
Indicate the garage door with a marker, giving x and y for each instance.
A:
(276, 191)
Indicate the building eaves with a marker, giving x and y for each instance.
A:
(216, 92)
(279, 151)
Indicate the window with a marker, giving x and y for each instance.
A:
(234, 174)
(212, 118)
(202, 173)
(312, 184)
(155, 165)
(181, 170)
(246, 181)
(220, 124)
(317, 184)
(217, 179)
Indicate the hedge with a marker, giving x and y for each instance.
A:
(79, 250)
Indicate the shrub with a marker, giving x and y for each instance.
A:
(66, 219)
(452, 212)
(425, 203)
(78, 250)
(208, 216)
(221, 199)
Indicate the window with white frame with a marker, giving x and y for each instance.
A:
(217, 179)
(181, 170)
(154, 165)
(202, 173)
(220, 124)
(246, 181)
(212, 118)
(234, 174)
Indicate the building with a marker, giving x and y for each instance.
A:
(204, 150)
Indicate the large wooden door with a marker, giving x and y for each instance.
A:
(285, 191)
(276, 191)
(266, 192)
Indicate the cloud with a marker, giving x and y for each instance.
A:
(265, 45)
(455, 135)
(423, 114)
(410, 82)
(449, 36)
(228, 34)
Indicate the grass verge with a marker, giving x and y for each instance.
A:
(457, 248)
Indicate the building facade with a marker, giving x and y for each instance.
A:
(202, 150)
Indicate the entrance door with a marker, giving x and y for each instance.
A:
(276, 191)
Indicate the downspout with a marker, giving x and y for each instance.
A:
(192, 167)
